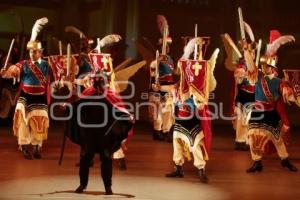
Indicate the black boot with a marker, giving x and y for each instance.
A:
(157, 135)
(286, 163)
(169, 136)
(80, 188)
(256, 167)
(241, 146)
(25, 151)
(202, 176)
(108, 191)
(36, 152)
(178, 172)
(122, 164)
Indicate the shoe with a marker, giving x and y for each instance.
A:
(178, 172)
(108, 191)
(202, 176)
(169, 137)
(80, 188)
(286, 163)
(25, 151)
(157, 135)
(122, 164)
(36, 152)
(256, 167)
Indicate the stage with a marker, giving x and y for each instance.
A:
(147, 163)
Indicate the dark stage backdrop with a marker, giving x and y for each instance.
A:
(135, 19)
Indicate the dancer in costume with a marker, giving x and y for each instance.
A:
(162, 87)
(192, 130)
(31, 119)
(242, 94)
(269, 124)
(106, 138)
(117, 81)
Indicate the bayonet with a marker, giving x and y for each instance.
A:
(241, 20)
(157, 68)
(164, 42)
(8, 55)
(196, 44)
(98, 45)
(200, 57)
(258, 52)
(60, 47)
(68, 59)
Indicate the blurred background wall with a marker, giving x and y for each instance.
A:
(136, 19)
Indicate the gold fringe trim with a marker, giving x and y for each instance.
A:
(259, 138)
(201, 97)
(39, 124)
(185, 148)
(18, 116)
(38, 121)
(204, 152)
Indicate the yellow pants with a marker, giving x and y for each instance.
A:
(182, 149)
(162, 113)
(30, 128)
(258, 138)
(241, 127)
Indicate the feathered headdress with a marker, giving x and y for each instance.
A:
(276, 41)
(249, 32)
(162, 24)
(107, 40)
(37, 27)
(75, 30)
(189, 48)
(84, 42)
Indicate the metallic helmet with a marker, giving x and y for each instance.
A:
(269, 60)
(36, 45)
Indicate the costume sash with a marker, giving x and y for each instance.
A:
(266, 90)
(37, 73)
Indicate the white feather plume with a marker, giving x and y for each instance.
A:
(37, 27)
(272, 48)
(75, 30)
(249, 31)
(109, 39)
(162, 23)
(189, 48)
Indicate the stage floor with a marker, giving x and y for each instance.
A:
(147, 163)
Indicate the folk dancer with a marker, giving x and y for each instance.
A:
(242, 94)
(192, 130)
(31, 119)
(269, 124)
(162, 87)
